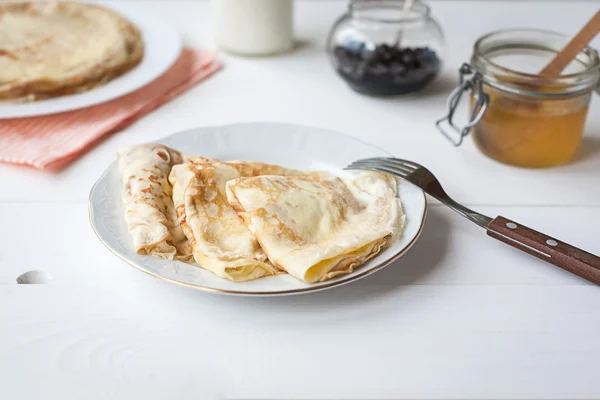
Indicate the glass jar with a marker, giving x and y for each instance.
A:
(519, 117)
(379, 49)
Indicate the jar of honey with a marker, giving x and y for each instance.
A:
(517, 116)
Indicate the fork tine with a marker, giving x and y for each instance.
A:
(409, 163)
(369, 162)
(385, 163)
(363, 162)
(381, 169)
(394, 164)
(398, 161)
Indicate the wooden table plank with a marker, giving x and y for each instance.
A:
(451, 250)
(302, 88)
(358, 341)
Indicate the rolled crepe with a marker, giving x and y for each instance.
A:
(147, 196)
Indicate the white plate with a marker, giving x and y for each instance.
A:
(162, 46)
(287, 145)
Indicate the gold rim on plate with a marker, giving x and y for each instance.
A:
(343, 281)
(279, 292)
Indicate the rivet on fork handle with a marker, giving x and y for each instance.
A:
(542, 246)
(563, 255)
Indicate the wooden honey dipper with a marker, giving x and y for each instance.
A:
(570, 51)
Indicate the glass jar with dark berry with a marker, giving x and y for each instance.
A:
(381, 47)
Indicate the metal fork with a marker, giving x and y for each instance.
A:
(561, 254)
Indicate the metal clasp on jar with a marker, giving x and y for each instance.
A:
(470, 81)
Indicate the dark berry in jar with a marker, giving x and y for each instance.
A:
(386, 70)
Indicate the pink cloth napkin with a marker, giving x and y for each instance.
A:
(52, 141)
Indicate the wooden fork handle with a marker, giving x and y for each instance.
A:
(544, 247)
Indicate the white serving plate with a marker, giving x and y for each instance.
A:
(287, 145)
(162, 46)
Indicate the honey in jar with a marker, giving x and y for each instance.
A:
(519, 117)
(531, 132)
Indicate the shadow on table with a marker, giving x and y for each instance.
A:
(589, 148)
(441, 86)
(422, 258)
(412, 268)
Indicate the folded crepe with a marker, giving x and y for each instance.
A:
(147, 196)
(318, 227)
(220, 241)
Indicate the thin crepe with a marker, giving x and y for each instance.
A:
(220, 241)
(315, 227)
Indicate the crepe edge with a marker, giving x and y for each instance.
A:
(208, 263)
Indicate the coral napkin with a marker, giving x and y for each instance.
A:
(52, 141)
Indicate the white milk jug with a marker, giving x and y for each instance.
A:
(253, 27)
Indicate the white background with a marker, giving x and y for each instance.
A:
(460, 316)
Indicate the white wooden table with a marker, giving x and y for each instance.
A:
(460, 316)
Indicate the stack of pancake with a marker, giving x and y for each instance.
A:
(50, 49)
